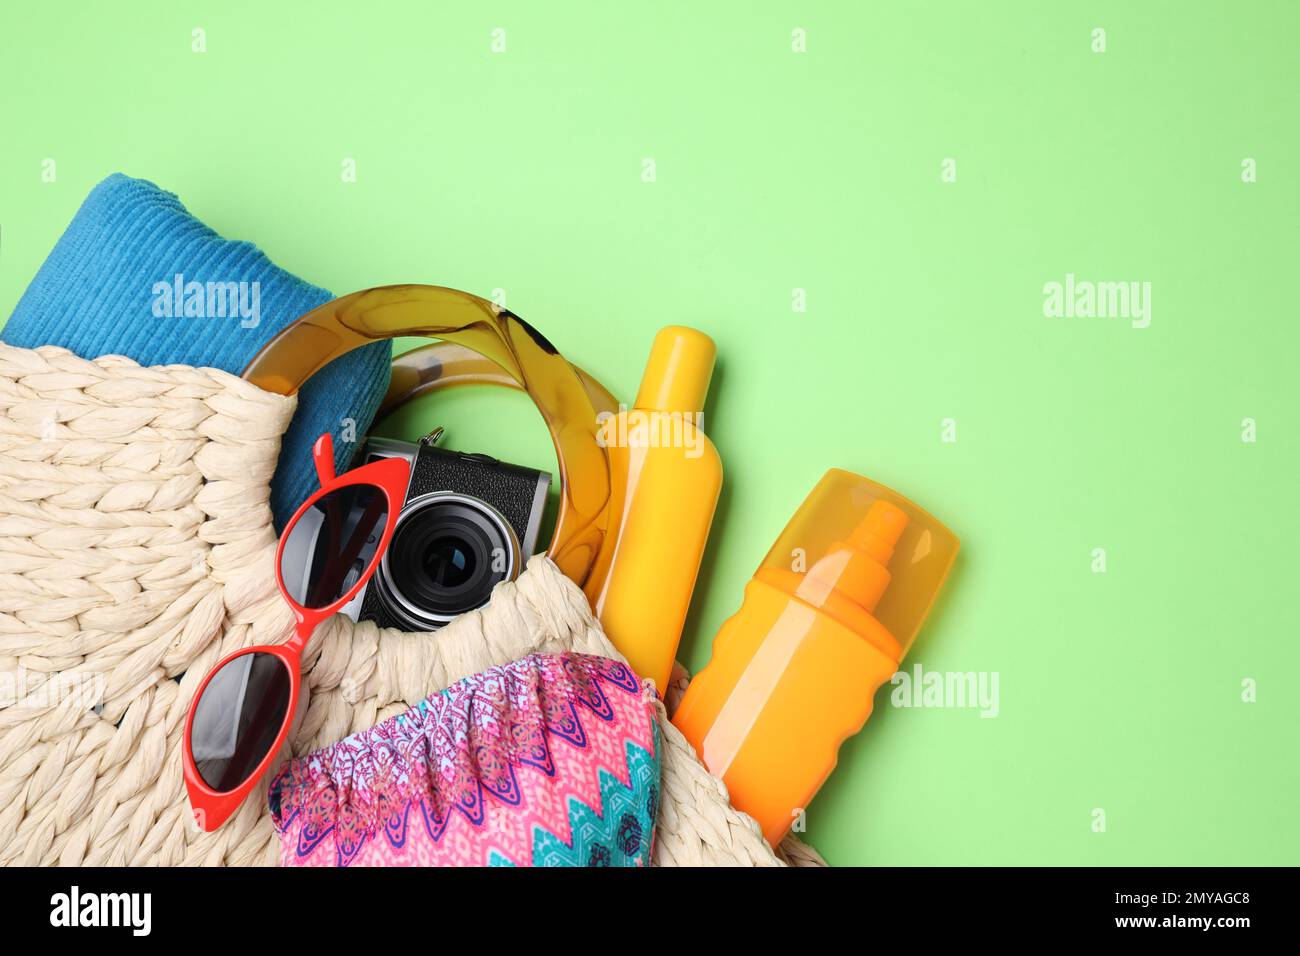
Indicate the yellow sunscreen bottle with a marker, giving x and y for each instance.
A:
(825, 621)
(665, 479)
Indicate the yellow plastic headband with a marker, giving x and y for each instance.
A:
(480, 344)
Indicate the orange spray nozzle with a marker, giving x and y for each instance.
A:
(879, 531)
(857, 569)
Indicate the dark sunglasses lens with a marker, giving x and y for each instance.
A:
(238, 718)
(332, 546)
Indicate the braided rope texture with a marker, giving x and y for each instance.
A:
(136, 550)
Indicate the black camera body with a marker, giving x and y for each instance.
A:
(468, 522)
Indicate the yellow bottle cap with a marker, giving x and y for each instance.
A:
(858, 540)
(858, 569)
(677, 375)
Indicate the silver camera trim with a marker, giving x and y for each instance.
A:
(529, 544)
(416, 618)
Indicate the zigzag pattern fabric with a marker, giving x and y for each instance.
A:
(552, 760)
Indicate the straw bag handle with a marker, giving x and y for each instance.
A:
(480, 343)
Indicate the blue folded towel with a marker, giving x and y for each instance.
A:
(118, 282)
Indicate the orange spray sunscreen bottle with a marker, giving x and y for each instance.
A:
(826, 620)
(665, 476)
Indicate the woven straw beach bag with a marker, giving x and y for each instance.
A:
(136, 549)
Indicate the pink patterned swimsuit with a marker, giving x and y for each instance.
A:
(549, 761)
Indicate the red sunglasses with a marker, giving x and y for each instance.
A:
(249, 703)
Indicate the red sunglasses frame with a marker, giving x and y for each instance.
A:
(391, 475)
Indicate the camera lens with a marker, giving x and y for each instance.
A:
(448, 552)
(449, 561)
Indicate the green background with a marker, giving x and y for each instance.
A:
(821, 170)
